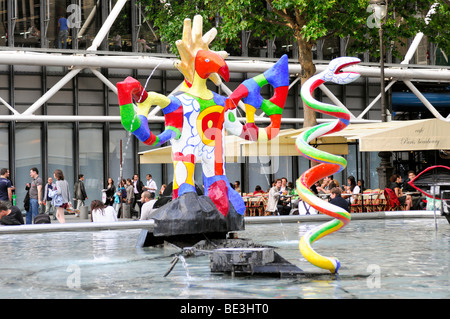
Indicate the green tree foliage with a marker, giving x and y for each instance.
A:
(305, 20)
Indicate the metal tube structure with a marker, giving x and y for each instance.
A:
(251, 66)
(102, 33)
(76, 227)
(334, 99)
(154, 119)
(44, 98)
(422, 98)
(93, 60)
(382, 86)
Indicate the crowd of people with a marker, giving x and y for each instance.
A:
(131, 192)
(55, 196)
(140, 197)
(284, 200)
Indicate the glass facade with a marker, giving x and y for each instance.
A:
(116, 135)
(27, 155)
(36, 24)
(91, 159)
(60, 151)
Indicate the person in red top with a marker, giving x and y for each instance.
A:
(258, 190)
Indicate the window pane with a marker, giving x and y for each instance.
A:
(26, 31)
(91, 160)
(156, 171)
(114, 156)
(60, 152)
(4, 160)
(28, 155)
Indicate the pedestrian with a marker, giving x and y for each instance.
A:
(6, 187)
(102, 213)
(79, 194)
(63, 32)
(131, 196)
(120, 196)
(138, 189)
(274, 196)
(47, 199)
(35, 193)
(62, 188)
(110, 191)
(150, 185)
(148, 200)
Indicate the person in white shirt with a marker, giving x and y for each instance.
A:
(352, 188)
(101, 213)
(148, 201)
(150, 185)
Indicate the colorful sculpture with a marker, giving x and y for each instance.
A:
(330, 164)
(425, 181)
(196, 118)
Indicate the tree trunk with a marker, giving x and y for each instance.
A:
(308, 70)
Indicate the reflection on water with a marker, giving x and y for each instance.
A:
(380, 259)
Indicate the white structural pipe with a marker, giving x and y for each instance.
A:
(48, 95)
(152, 119)
(107, 82)
(422, 98)
(88, 20)
(409, 54)
(375, 100)
(8, 106)
(103, 32)
(76, 227)
(150, 62)
(334, 99)
(95, 44)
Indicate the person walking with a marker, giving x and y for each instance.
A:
(63, 32)
(6, 187)
(130, 196)
(47, 199)
(35, 193)
(138, 189)
(62, 188)
(120, 197)
(79, 194)
(110, 191)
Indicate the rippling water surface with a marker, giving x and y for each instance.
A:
(403, 258)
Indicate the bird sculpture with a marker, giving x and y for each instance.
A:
(196, 118)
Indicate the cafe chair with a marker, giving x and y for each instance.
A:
(367, 200)
(379, 202)
(392, 202)
(355, 207)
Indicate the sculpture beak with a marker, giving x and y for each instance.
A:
(224, 73)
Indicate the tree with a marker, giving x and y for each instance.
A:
(307, 21)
